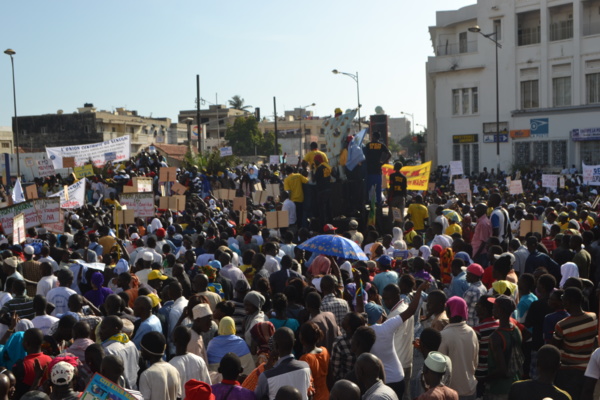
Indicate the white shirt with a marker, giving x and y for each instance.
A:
(384, 334)
(233, 273)
(130, 356)
(44, 323)
(161, 382)
(290, 207)
(46, 284)
(174, 314)
(60, 297)
(143, 275)
(190, 366)
(443, 240)
(204, 259)
(593, 368)
(271, 264)
(50, 261)
(442, 220)
(404, 336)
(4, 297)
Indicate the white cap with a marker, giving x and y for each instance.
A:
(147, 256)
(201, 310)
(62, 373)
(134, 236)
(29, 250)
(436, 362)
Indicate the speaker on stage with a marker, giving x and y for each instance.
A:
(379, 123)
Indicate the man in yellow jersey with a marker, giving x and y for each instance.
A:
(293, 184)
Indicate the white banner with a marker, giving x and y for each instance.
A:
(19, 229)
(226, 151)
(76, 195)
(114, 150)
(7, 215)
(591, 174)
(45, 168)
(549, 181)
(142, 204)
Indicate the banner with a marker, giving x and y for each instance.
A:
(76, 193)
(115, 150)
(549, 181)
(45, 168)
(226, 151)
(7, 215)
(142, 204)
(18, 195)
(591, 174)
(417, 176)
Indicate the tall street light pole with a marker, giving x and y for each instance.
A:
(477, 29)
(11, 53)
(412, 118)
(355, 77)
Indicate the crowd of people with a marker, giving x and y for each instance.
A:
(458, 298)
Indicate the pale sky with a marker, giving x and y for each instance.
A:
(144, 55)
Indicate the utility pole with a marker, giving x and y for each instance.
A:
(275, 115)
(198, 114)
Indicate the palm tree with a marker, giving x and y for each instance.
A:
(237, 103)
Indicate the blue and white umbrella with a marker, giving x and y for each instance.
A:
(335, 246)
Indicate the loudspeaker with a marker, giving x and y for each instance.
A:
(379, 123)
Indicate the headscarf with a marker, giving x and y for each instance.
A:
(97, 279)
(255, 298)
(397, 234)
(464, 256)
(261, 333)
(457, 307)
(154, 225)
(210, 272)
(13, 350)
(500, 287)
(425, 252)
(568, 270)
(373, 250)
(227, 326)
(320, 265)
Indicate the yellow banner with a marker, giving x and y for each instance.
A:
(417, 176)
(83, 171)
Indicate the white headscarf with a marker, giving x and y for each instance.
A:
(425, 252)
(154, 225)
(568, 270)
(398, 239)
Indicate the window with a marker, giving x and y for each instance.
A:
(590, 153)
(469, 154)
(561, 22)
(307, 131)
(592, 88)
(86, 129)
(522, 153)
(114, 129)
(530, 94)
(559, 152)
(462, 42)
(498, 29)
(466, 158)
(5, 145)
(540, 153)
(131, 129)
(456, 152)
(561, 91)
(43, 129)
(528, 31)
(489, 128)
(322, 131)
(465, 101)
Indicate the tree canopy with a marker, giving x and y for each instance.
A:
(245, 138)
(237, 103)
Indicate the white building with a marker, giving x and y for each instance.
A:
(549, 84)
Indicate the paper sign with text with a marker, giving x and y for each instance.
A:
(462, 186)
(19, 229)
(549, 181)
(83, 171)
(226, 151)
(142, 204)
(456, 168)
(74, 197)
(516, 187)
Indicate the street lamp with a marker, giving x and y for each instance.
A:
(355, 77)
(412, 117)
(300, 130)
(11, 53)
(477, 29)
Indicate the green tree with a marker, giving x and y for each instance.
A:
(267, 146)
(237, 103)
(244, 136)
(210, 161)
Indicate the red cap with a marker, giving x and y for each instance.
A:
(329, 228)
(160, 232)
(198, 390)
(475, 269)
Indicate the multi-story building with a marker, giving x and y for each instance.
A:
(548, 84)
(214, 121)
(6, 139)
(398, 128)
(88, 125)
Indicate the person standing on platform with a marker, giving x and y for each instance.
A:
(376, 154)
(397, 191)
(293, 184)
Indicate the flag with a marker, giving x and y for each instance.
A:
(17, 194)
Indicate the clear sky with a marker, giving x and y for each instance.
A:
(144, 55)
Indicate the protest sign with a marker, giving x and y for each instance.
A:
(142, 204)
(19, 228)
(121, 217)
(224, 194)
(456, 168)
(129, 189)
(101, 388)
(277, 219)
(59, 226)
(142, 184)
(176, 203)
(7, 215)
(527, 226)
(549, 181)
(45, 168)
(167, 174)
(68, 162)
(239, 204)
(508, 180)
(516, 187)
(561, 182)
(272, 190)
(273, 159)
(226, 151)
(397, 214)
(31, 192)
(83, 171)
(259, 197)
(591, 175)
(431, 186)
(110, 150)
(74, 197)
(417, 176)
(48, 210)
(178, 188)
(462, 186)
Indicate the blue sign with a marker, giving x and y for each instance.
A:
(585, 134)
(539, 126)
(491, 138)
(112, 156)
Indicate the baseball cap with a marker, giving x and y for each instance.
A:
(160, 232)
(134, 236)
(201, 310)
(62, 373)
(198, 390)
(353, 224)
(436, 362)
(385, 260)
(475, 269)
(156, 274)
(29, 250)
(505, 302)
(215, 264)
(329, 228)
(147, 256)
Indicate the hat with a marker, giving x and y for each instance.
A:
(198, 390)
(437, 248)
(215, 264)
(134, 236)
(171, 229)
(509, 255)
(201, 310)
(160, 232)
(156, 274)
(384, 261)
(62, 373)
(154, 343)
(475, 269)
(505, 302)
(154, 298)
(255, 298)
(147, 256)
(352, 224)
(29, 250)
(374, 312)
(11, 261)
(242, 285)
(502, 286)
(329, 228)
(546, 199)
(436, 362)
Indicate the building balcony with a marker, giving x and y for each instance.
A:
(456, 48)
(591, 28)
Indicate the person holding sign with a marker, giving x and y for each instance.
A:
(376, 154)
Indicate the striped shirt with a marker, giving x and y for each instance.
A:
(23, 305)
(578, 336)
(484, 330)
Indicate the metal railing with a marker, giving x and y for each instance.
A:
(456, 48)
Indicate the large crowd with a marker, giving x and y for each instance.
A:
(458, 297)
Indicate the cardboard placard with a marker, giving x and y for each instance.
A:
(68, 162)
(258, 186)
(121, 217)
(142, 184)
(167, 174)
(431, 186)
(259, 197)
(178, 188)
(31, 192)
(239, 203)
(83, 171)
(176, 203)
(462, 186)
(527, 226)
(224, 194)
(549, 181)
(272, 190)
(278, 219)
(142, 204)
(45, 168)
(516, 187)
(397, 214)
(19, 228)
(129, 189)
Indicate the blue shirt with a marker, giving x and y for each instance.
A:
(152, 324)
(459, 285)
(523, 306)
(383, 279)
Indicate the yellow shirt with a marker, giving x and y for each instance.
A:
(310, 157)
(452, 229)
(293, 184)
(344, 157)
(418, 212)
